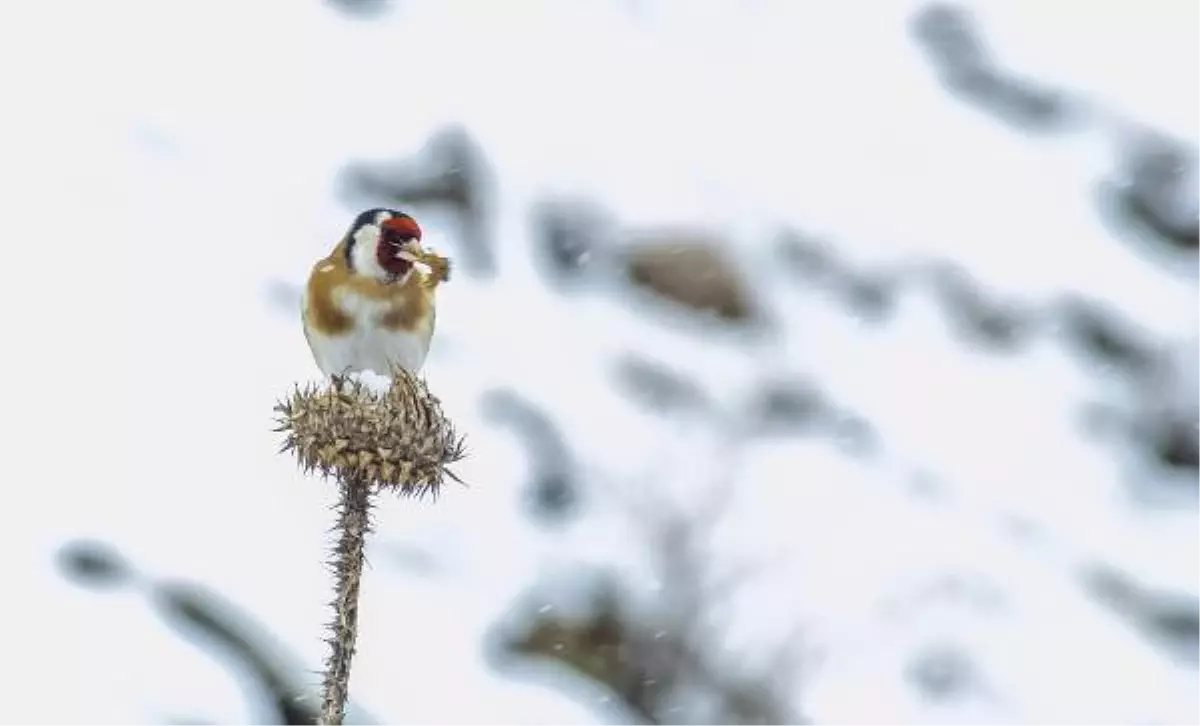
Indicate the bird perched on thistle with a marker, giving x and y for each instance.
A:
(367, 306)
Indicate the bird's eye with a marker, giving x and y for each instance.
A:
(393, 238)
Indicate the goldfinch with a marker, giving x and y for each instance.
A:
(367, 306)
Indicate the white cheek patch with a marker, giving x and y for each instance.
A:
(366, 241)
(367, 235)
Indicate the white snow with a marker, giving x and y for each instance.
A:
(183, 155)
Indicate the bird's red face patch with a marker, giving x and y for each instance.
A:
(394, 234)
(403, 227)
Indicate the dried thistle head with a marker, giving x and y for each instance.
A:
(397, 439)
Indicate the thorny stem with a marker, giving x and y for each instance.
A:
(352, 525)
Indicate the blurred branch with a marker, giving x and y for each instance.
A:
(223, 627)
(665, 665)
(212, 621)
(94, 564)
(1094, 329)
(978, 316)
(943, 672)
(568, 237)
(362, 9)
(1157, 191)
(1173, 621)
(951, 42)
(553, 492)
(809, 258)
(660, 388)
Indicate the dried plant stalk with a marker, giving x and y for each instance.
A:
(354, 521)
(397, 440)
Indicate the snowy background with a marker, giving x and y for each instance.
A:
(940, 467)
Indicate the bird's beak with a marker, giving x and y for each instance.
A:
(405, 252)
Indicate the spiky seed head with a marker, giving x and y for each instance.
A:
(396, 439)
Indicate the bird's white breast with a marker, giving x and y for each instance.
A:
(368, 346)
